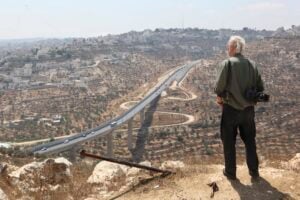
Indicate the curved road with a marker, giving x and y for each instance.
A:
(178, 74)
(190, 118)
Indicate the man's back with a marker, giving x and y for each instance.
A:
(236, 80)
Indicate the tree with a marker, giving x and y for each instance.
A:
(180, 139)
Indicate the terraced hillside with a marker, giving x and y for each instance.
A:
(277, 121)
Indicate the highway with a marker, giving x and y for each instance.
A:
(75, 140)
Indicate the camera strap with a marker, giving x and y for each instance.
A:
(228, 78)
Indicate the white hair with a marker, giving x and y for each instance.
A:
(238, 42)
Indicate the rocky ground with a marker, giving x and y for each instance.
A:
(60, 179)
(192, 184)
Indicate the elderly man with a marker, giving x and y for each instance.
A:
(236, 75)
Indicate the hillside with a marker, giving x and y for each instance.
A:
(88, 180)
(68, 86)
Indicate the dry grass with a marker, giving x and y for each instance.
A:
(80, 188)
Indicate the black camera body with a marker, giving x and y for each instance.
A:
(254, 96)
(262, 97)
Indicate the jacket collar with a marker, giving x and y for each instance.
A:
(239, 55)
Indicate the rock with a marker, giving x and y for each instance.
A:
(132, 172)
(63, 160)
(146, 163)
(48, 174)
(3, 168)
(21, 173)
(7, 167)
(172, 165)
(134, 175)
(3, 195)
(108, 176)
(138, 172)
(69, 197)
(124, 168)
(294, 163)
(163, 94)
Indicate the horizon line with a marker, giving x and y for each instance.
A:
(114, 34)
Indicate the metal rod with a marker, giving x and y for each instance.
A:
(165, 172)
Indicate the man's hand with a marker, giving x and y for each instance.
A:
(220, 101)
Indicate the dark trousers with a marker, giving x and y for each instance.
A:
(231, 121)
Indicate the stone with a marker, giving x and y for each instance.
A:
(172, 165)
(164, 93)
(108, 176)
(49, 173)
(294, 163)
(63, 161)
(3, 195)
(132, 172)
(146, 163)
(135, 175)
(3, 168)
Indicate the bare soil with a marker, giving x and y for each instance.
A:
(191, 184)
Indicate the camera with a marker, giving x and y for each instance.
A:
(262, 97)
(252, 95)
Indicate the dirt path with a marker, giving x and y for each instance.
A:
(190, 118)
(190, 95)
(125, 106)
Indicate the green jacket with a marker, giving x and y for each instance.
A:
(241, 78)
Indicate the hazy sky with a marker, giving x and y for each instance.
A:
(84, 18)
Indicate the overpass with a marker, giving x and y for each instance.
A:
(106, 129)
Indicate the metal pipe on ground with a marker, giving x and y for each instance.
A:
(122, 162)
